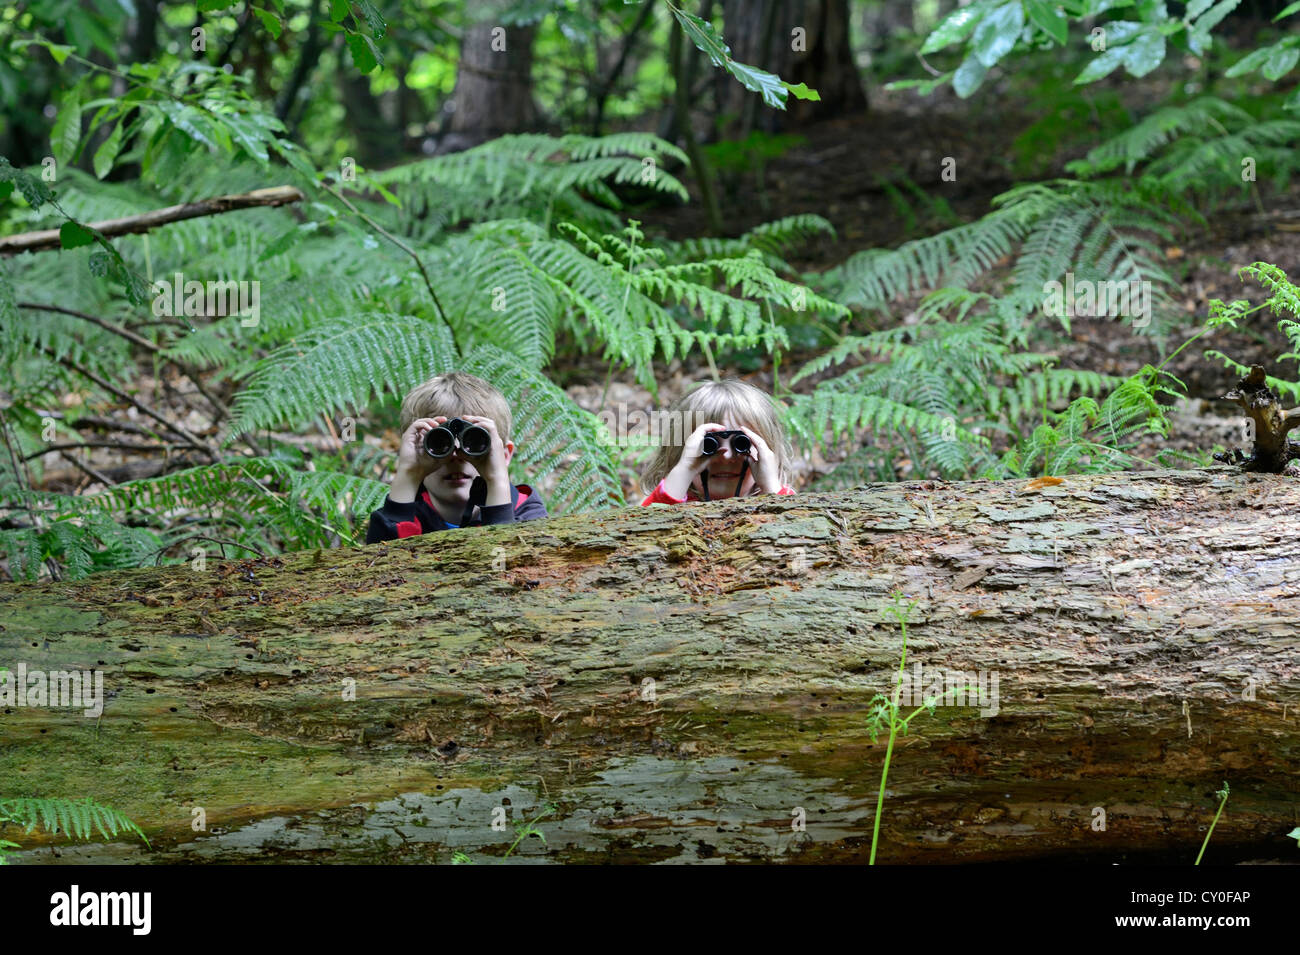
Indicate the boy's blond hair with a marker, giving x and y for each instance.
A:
(455, 394)
(718, 401)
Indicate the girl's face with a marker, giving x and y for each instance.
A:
(724, 469)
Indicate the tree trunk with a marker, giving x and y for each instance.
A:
(695, 682)
(494, 87)
(821, 56)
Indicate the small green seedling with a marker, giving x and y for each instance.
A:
(1223, 801)
(522, 831)
(885, 711)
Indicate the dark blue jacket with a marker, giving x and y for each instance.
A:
(394, 520)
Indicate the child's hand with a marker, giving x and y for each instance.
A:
(413, 463)
(494, 466)
(692, 461)
(762, 463)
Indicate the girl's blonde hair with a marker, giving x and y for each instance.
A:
(717, 401)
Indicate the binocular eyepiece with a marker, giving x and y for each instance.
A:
(441, 441)
(712, 443)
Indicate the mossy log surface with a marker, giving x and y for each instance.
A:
(1144, 628)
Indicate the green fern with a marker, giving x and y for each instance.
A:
(1284, 300)
(341, 365)
(565, 178)
(79, 819)
(1088, 438)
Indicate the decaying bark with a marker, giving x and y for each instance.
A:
(691, 683)
(1270, 425)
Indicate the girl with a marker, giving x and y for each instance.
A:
(735, 415)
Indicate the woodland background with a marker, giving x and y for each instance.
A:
(593, 203)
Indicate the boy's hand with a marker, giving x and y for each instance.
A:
(494, 467)
(692, 461)
(413, 464)
(762, 464)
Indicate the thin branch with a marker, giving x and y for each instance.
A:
(145, 221)
(393, 239)
(221, 542)
(102, 323)
(97, 475)
(120, 445)
(107, 424)
(138, 405)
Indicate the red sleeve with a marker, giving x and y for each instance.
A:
(660, 496)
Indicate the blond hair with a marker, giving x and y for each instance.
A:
(455, 394)
(718, 401)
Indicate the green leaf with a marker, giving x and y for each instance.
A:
(373, 18)
(704, 37)
(1288, 11)
(969, 76)
(364, 54)
(955, 27)
(270, 22)
(209, 6)
(1198, 38)
(66, 133)
(1295, 833)
(59, 51)
(707, 40)
(1280, 63)
(760, 81)
(801, 91)
(73, 235)
(283, 243)
(6, 190)
(1047, 18)
(339, 10)
(1144, 54)
(251, 137)
(106, 154)
(1103, 65)
(1251, 61)
(998, 32)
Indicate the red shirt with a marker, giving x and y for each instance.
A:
(660, 496)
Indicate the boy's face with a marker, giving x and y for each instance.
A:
(451, 478)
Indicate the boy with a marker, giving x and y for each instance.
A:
(436, 494)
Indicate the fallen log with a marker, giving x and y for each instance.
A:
(693, 683)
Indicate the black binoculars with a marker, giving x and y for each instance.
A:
(456, 433)
(712, 443)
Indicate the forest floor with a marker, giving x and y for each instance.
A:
(840, 171)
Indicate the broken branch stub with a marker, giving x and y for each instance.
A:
(1273, 450)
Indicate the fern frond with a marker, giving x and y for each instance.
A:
(342, 365)
(552, 433)
(76, 818)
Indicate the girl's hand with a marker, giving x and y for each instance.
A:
(692, 461)
(762, 463)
